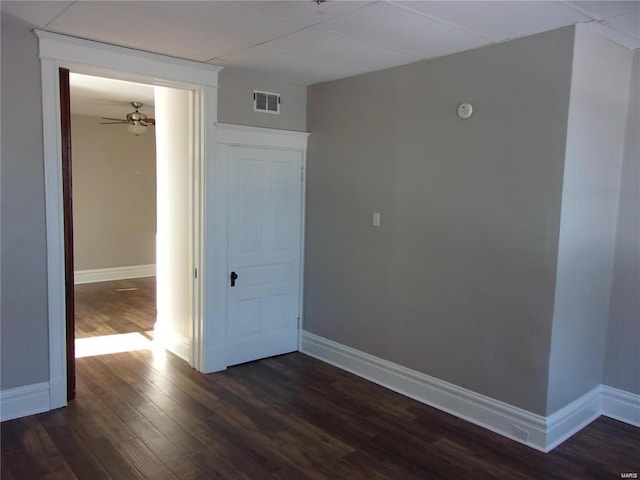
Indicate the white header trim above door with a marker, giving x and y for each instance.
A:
(230, 134)
(102, 59)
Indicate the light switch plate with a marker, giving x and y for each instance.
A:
(376, 219)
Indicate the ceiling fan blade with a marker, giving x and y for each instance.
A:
(111, 123)
(149, 121)
(115, 119)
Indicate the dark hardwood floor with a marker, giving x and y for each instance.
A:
(149, 415)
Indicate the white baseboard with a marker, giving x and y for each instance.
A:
(116, 273)
(58, 392)
(175, 343)
(507, 420)
(215, 359)
(572, 418)
(621, 405)
(23, 401)
(533, 430)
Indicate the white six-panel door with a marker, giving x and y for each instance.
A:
(264, 245)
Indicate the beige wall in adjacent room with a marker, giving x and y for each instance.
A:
(114, 195)
(175, 240)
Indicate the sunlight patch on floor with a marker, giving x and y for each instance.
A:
(107, 344)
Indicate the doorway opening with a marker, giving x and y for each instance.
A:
(93, 58)
(130, 218)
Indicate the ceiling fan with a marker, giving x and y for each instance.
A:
(136, 122)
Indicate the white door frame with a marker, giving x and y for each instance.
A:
(99, 59)
(228, 135)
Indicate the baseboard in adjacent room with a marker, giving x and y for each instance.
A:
(115, 273)
(22, 401)
(173, 342)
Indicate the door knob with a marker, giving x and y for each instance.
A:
(234, 277)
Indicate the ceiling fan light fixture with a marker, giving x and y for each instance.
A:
(137, 128)
(136, 122)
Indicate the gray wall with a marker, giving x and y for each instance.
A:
(622, 366)
(591, 186)
(235, 101)
(114, 193)
(24, 348)
(459, 280)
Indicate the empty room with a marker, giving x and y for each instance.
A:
(391, 239)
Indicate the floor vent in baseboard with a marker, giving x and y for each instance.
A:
(520, 433)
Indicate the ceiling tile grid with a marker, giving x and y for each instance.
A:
(499, 20)
(194, 30)
(98, 21)
(304, 42)
(38, 14)
(599, 10)
(304, 13)
(267, 59)
(629, 24)
(330, 47)
(388, 25)
(617, 20)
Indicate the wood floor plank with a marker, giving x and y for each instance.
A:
(75, 452)
(149, 415)
(143, 459)
(154, 403)
(172, 456)
(17, 464)
(42, 451)
(111, 460)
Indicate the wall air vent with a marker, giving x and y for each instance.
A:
(266, 102)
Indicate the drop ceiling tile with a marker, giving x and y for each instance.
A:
(279, 76)
(193, 30)
(305, 12)
(393, 27)
(38, 14)
(629, 24)
(106, 23)
(270, 60)
(500, 20)
(333, 47)
(242, 25)
(617, 36)
(603, 10)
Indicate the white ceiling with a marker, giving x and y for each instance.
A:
(104, 97)
(302, 42)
